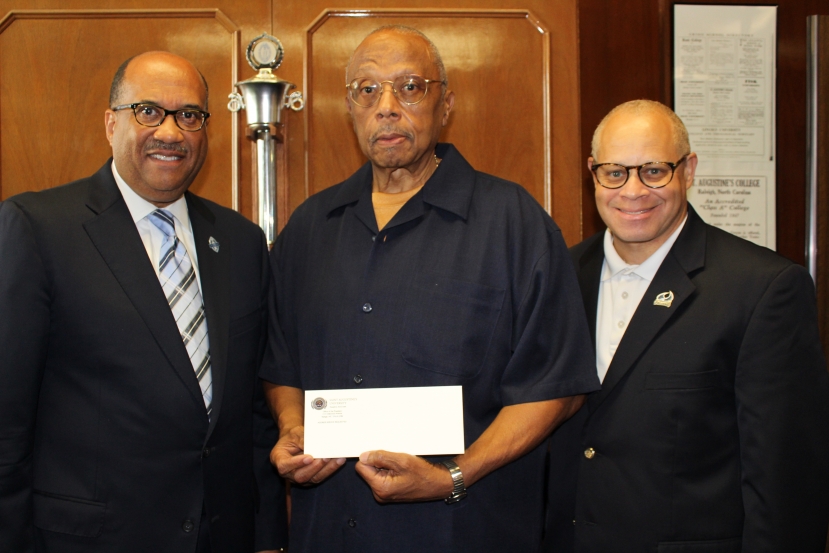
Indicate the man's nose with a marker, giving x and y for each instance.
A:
(634, 187)
(388, 103)
(168, 130)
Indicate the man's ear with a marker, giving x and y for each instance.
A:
(109, 124)
(690, 169)
(590, 162)
(448, 104)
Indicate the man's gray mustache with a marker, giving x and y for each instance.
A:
(158, 145)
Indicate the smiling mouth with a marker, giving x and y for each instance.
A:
(640, 212)
(163, 157)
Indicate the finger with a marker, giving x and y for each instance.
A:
(288, 464)
(330, 467)
(367, 471)
(317, 471)
(383, 459)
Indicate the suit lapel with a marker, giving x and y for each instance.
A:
(214, 272)
(686, 256)
(113, 233)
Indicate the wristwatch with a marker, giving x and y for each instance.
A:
(459, 490)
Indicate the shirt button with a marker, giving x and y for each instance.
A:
(357, 379)
(589, 452)
(187, 526)
(621, 324)
(352, 522)
(624, 295)
(373, 238)
(367, 308)
(205, 452)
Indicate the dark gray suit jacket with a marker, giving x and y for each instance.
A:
(711, 431)
(104, 440)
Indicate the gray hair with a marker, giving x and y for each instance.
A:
(643, 107)
(408, 31)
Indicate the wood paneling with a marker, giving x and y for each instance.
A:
(513, 69)
(57, 59)
(53, 95)
(480, 50)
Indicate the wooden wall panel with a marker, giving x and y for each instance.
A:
(492, 58)
(513, 66)
(56, 72)
(71, 48)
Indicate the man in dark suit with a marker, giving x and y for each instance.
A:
(132, 327)
(711, 430)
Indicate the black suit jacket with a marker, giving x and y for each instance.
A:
(711, 430)
(105, 444)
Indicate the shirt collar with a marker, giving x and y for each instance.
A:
(140, 208)
(614, 264)
(449, 188)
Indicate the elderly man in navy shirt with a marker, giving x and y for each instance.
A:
(420, 271)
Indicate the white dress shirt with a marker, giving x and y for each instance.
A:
(151, 235)
(621, 288)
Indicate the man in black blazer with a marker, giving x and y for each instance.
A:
(109, 440)
(711, 430)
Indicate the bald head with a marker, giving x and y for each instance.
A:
(635, 108)
(117, 88)
(407, 34)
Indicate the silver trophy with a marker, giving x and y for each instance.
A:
(263, 98)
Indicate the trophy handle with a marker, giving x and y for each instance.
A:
(235, 102)
(295, 101)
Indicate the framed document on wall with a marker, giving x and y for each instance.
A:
(724, 91)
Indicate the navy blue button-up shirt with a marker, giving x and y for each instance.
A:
(469, 284)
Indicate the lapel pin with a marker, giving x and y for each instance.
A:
(664, 299)
(214, 244)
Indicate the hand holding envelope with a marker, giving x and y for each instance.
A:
(287, 455)
(347, 423)
(396, 477)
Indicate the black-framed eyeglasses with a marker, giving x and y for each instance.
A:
(151, 115)
(409, 89)
(653, 174)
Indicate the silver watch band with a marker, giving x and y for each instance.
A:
(459, 489)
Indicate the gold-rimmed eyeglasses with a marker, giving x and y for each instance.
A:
(151, 115)
(409, 89)
(654, 174)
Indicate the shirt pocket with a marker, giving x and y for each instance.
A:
(449, 324)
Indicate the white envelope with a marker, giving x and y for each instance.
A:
(420, 421)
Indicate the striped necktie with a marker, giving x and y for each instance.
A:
(178, 279)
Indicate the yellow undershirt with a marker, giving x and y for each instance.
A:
(387, 205)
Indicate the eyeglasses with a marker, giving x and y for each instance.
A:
(150, 115)
(409, 89)
(654, 174)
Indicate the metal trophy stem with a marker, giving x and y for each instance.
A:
(266, 185)
(263, 98)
